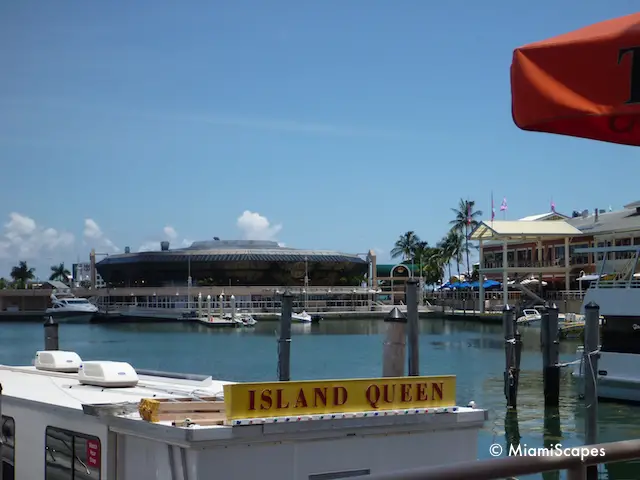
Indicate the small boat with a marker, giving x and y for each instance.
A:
(67, 308)
(246, 319)
(304, 317)
(212, 321)
(529, 316)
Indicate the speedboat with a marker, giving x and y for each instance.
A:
(529, 316)
(302, 317)
(67, 308)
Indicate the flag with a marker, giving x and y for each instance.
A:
(553, 206)
(493, 208)
(468, 212)
(503, 206)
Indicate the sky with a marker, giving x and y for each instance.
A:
(332, 124)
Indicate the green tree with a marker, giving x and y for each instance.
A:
(59, 272)
(3, 283)
(21, 274)
(466, 219)
(405, 246)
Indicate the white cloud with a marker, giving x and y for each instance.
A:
(256, 227)
(23, 238)
(170, 234)
(96, 238)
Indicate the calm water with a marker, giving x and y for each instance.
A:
(345, 349)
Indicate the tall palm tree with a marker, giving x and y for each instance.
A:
(447, 247)
(466, 219)
(59, 272)
(21, 274)
(405, 246)
(456, 244)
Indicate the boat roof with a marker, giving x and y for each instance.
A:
(65, 390)
(118, 407)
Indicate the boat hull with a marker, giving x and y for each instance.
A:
(618, 376)
(71, 317)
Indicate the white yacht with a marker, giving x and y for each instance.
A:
(67, 308)
(618, 297)
(67, 417)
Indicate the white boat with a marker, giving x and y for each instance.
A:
(302, 317)
(67, 417)
(214, 321)
(618, 296)
(529, 316)
(67, 308)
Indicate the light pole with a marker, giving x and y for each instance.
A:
(306, 281)
(189, 280)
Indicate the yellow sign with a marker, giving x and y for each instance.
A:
(284, 399)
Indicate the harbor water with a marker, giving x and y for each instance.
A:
(472, 351)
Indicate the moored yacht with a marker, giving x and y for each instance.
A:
(619, 302)
(67, 308)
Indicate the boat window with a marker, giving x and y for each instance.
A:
(621, 335)
(7, 448)
(71, 455)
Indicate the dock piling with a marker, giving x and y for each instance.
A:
(590, 357)
(394, 346)
(511, 369)
(284, 342)
(550, 356)
(51, 334)
(413, 330)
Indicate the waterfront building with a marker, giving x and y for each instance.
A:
(543, 246)
(81, 274)
(231, 263)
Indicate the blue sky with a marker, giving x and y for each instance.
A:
(333, 124)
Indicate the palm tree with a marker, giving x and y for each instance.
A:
(59, 272)
(405, 246)
(446, 247)
(455, 242)
(466, 219)
(21, 274)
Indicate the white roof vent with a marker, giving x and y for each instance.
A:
(108, 374)
(57, 361)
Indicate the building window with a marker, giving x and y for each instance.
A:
(8, 448)
(71, 455)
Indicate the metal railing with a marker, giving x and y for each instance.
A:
(618, 284)
(574, 461)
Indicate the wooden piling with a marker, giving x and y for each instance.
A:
(412, 326)
(284, 342)
(590, 357)
(550, 356)
(510, 372)
(51, 340)
(394, 347)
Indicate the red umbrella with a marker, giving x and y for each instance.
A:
(584, 84)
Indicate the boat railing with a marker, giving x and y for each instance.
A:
(617, 284)
(574, 460)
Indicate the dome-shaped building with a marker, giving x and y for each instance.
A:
(232, 263)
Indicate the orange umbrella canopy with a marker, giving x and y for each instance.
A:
(584, 84)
